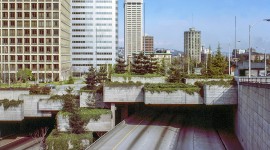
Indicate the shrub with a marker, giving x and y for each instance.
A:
(10, 103)
(36, 90)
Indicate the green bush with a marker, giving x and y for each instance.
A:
(10, 103)
(70, 80)
(36, 90)
(59, 141)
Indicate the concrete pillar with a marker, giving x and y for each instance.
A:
(113, 108)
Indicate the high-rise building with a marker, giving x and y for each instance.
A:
(94, 33)
(133, 27)
(148, 43)
(192, 44)
(35, 35)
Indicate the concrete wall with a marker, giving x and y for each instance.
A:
(12, 113)
(87, 99)
(177, 97)
(217, 95)
(103, 124)
(123, 94)
(252, 122)
(12, 94)
(140, 79)
(192, 81)
(31, 105)
(50, 105)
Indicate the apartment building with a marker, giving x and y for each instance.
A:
(148, 43)
(192, 45)
(94, 34)
(35, 34)
(133, 27)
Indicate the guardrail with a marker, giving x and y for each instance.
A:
(262, 80)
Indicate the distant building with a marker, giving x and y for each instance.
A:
(192, 44)
(205, 52)
(35, 35)
(162, 54)
(148, 43)
(236, 52)
(133, 27)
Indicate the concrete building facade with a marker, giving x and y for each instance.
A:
(148, 43)
(94, 34)
(133, 27)
(192, 44)
(35, 35)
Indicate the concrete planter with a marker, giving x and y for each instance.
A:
(177, 97)
(50, 105)
(31, 105)
(217, 95)
(12, 113)
(192, 81)
(12, 94)
(101, 125)
(123, 94)
(139, 79)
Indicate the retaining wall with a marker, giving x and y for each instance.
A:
(177, 97)
(192, 81)
(50, 105)
(103, 124)
(12, 94)
(12, 113)
(123, 94)
(252, 122)
(139, 79)
(217, 95)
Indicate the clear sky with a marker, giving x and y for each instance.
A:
(167, 20)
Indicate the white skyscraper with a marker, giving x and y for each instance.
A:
(133, 27)
(94, 33)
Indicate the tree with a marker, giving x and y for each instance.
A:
(218, 64)
(76, 123)
(139, 64)
(120, 67)
(69, 104)
(174, 75)
(24, 75)
(91, 79)
(101, 75)
(152, 64)
(161, 67)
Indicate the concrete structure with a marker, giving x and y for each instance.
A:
(252, 122)
(192, 81)
(50, 105)
(31, 105)
(218, 95)
(35, 36)
(88, 99)
(101, 125)
(133, 27)
(139, 79)
(12, 94)
(192, 45)
(165, 55)
(12, 113)
(94, 33)
(148, 44)
(123, 94)
(177, 97)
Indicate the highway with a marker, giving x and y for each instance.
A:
(164, 130)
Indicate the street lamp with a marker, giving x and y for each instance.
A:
(249, 54)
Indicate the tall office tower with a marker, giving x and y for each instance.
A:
(192, 45)
(35, 35)
(133, 27)
(148, 44)
(94, 34)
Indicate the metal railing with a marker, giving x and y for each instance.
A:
(261, 80)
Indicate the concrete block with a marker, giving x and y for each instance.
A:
(123, 94)
(12, 94)
(50, 105)
(12, 113)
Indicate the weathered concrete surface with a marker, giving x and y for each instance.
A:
(102, 124)
(177, 97)
(50, 105)
(139, 79)
(12, 94)
(252, 122)
(217, 95)
(12, 113)
(89, 99)
(31, 105)
(123, 94)
(192, 81)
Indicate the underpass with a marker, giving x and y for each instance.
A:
(168, 129)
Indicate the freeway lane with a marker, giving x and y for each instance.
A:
(163, 130)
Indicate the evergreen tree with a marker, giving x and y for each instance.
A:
(174, 75)
(161, 67)
(69, 104)
(218, 64)
(120, 67)
(152, 64)
(102, 74)
(140, 63)
(76, 123)
(91, 79)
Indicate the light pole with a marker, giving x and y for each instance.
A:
(265, 70)
(249, 54)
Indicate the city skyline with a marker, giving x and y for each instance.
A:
(167, 21)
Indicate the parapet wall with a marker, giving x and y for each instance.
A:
(123, 94)
(218, 95)
(12, 94)
(252, 121)
(139, 79)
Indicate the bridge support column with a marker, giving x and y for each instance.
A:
(113, 109)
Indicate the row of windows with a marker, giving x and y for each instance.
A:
(104, 36)
(82, 1)
(34, 15)
(104, 13)
(104, 7)
(104, 41)
(82, 58)
(84, 65)
(103, 1)
(82, 30)
(6, 23)
(82, 41)
(104, 58)
(82, 35)
(82, 24)
(34, 41)
(28, 6)
(103, 53)
(34, 49)
(81, 7)
(82, 53)
(103, 47)
(26, 32)
(82, 47)
(78, 13)
(82, 18)
(103, 18)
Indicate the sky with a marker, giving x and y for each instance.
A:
(167, 20)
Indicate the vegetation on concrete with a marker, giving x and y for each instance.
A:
(37, 90)
(205, 76)
(129, 76)
(123, 84)
(10, 103)
(70, 80)
(171, 87)
(60, 141)
(221, 83)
